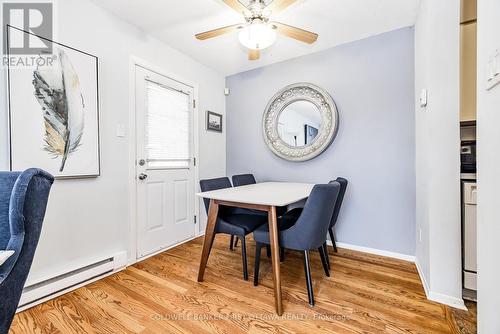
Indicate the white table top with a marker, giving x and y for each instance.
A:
(265, 193)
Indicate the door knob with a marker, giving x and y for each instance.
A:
(143, 176)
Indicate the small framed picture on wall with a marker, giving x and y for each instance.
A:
(214, 121)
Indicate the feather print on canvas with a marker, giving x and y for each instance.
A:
(57, 89)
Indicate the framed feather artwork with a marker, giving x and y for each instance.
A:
(54, 113)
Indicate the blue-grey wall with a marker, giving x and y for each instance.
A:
(372, 83)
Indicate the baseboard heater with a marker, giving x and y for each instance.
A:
(42, 291)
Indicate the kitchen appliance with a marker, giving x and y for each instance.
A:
(468, 156)
(469, 228)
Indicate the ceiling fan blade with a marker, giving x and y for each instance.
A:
(217, 32)
(278, 5)
(237, 6)
(253, 54)
(295, 33)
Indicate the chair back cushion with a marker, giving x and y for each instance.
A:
(340, 198)
(213, 184)
(310, 230)
(243, 180)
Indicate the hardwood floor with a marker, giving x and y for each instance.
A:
(466, 321)
(365, 294)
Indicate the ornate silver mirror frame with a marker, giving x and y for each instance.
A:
(329, 121)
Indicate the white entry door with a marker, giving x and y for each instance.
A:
(164, 162)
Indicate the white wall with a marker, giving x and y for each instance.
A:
(438, 251)
(89, 218)
(488, 136)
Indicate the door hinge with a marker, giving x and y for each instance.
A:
(194, 161)
(195, 219)
(194, 103)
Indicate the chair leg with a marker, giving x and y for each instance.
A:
(231, 242)
(258, 248)
(332, 237)
(268, 250)
(325, 247)
(236, 242)
(244, 258)
(282, 254)
(308, 278)
(323, 260)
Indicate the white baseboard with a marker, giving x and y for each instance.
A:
(399, 256)
(447, 300)
(422, 279)
(132, 261)
(439, 297)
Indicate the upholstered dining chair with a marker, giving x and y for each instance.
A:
(308, 233)
(23, 200)
(338, 204)
(230, 221)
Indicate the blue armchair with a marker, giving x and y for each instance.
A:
(23, 200)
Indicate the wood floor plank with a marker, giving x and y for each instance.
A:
(365, 294)
(121, 302)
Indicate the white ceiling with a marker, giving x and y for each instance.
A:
(175, 22)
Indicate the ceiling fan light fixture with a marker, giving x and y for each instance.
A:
(257, 36)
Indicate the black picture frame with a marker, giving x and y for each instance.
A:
(214, 121)
(310, 133)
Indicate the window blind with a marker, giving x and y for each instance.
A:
(167, 127)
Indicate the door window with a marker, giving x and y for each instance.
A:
(167, 127)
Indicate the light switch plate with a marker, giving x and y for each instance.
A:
(493, 70)
(423, 98)
(492, 82)
(120, 130)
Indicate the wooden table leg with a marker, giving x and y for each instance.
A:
(209, 238)
(275, 255)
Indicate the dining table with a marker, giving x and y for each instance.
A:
(265, 196)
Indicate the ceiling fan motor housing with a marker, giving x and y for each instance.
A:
(256, 9)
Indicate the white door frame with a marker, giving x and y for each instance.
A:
(132, 137)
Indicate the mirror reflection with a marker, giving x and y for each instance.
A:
(299, 123)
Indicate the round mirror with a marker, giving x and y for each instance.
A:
(299, 123)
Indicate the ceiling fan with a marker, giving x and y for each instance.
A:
(258, 32)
